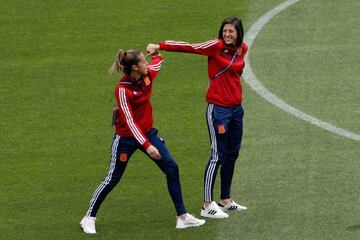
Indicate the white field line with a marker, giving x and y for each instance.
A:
(258, 87)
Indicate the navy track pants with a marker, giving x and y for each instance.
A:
(225, 127)
(122, 149)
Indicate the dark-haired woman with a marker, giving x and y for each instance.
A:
(134, 130)
(224, 113)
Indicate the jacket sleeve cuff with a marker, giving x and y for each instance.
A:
(146, 144)
(162, 45)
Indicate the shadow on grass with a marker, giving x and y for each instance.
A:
(353, 228)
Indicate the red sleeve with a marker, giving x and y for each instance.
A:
(243, 50)
(206, 48)
(125, 108)
(154, 67)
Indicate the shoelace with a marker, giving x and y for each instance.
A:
(190, 216)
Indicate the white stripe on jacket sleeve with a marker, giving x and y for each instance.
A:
(156, 67)
(203, 45)
(129, 119)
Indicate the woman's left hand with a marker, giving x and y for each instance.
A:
(152, 49)
(153, 152)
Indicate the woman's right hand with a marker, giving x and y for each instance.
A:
(152, 49)
(153, 152)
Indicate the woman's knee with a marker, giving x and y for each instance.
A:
(232, 156)
(172, 169)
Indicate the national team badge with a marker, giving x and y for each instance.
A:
(123, 157)
(221, 129)
(147, 81)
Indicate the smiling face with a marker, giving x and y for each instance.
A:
(229, 34)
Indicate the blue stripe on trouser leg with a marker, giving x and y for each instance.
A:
(170, 168)
(235, 131)
(115, 173)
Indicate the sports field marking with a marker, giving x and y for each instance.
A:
(258, 87)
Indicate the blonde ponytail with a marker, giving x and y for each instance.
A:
(124, 61)
(116, 66)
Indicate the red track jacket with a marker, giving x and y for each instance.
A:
(133, 101)
(225, 90)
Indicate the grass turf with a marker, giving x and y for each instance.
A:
(298, 181)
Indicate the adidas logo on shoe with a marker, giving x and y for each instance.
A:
(232, 206)
(213, 211)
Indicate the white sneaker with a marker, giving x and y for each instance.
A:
(232, 206)
(213, 211)
(190, 221)
(88, 224)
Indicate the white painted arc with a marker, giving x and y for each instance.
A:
(259, 88)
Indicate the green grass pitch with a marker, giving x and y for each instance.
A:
(297, 180)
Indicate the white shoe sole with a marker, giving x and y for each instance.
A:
(192, 225)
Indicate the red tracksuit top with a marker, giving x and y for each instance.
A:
(133, 101)
(226, 89)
